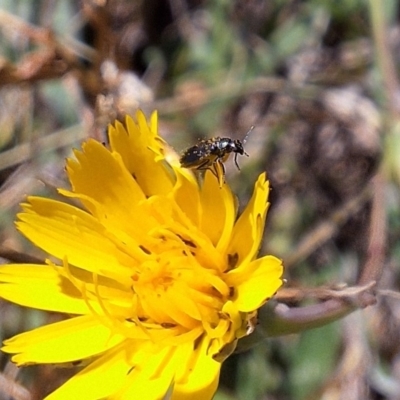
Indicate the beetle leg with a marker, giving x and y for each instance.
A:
(236, 161)
(222, 166)
(214, 168)
(204, 166)
(220, 172)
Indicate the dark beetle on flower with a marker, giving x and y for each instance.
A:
(208, 153)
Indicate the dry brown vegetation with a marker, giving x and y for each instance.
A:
(318, 79)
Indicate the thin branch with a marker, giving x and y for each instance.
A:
(384, 55)
(328, 228)
(18, 257)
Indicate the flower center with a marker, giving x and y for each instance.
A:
(178, 284)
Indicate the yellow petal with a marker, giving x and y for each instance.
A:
(142, 151)
(248, 230)
(66, 231)
(99, 380)
(41, 287)
(70, 340)
(218, 211)
(255, 282)
(198, 378)
(186, 194)
(102, 176)
(196, 375)
(150, 379)
(171, 308)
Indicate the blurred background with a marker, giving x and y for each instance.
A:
(318, 79)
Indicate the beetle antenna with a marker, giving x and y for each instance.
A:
(248, 134)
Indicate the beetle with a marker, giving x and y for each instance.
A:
(212, 153)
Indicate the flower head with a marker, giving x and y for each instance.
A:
(160, 277)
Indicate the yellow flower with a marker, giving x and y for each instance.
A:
(158, 276)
